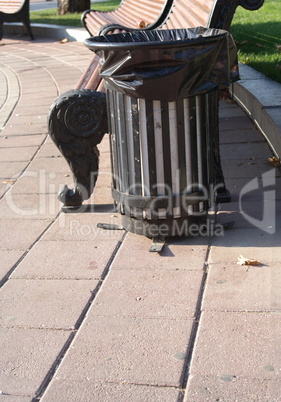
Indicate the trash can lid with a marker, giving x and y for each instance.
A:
(167, 64)
(152, 38)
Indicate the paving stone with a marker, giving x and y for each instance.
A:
(25, 129)
(21, 234)
(42, 182)
(104, 180)
(21, 141)
(26, 357)
(66, 260)
(8, 258)
(83, 226)
(178, 254)
(49, 165)
(235, 186)
(11, 170)
(35, 110)
(250, 213)
(231, 389)
(102, 196)
(32, 86)
(251, 243)
(232, 287)
(18, 119)
(105, 164)
(44, 303)
(38, 99)
(238, 344)
(23, 154)
(149, 294)
(234, 123)
(15, 398)
(29, 206)
(249, 153)
(104, 145)
(241, 168)
(228, 109)
(90, 391)
(5, 185)
(245, 136)
(49, 150)
(120, 350)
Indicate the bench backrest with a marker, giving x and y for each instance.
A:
(193, 13)
(146, 10)
(11, 7)
(130, 13)
(206, 13)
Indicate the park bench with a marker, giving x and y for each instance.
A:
(132, 14)
(78, 118)
(15, 11)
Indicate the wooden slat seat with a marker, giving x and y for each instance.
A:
(15, 11)
(130, 13)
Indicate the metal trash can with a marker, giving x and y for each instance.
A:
(162, 100)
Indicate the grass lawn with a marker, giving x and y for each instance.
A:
(258, 37)
(72, 19)
(257, 33)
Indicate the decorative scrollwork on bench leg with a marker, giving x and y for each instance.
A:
(77, 123)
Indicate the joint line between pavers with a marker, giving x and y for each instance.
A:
(194, 330)
(55, 366)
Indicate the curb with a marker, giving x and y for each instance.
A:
(260, 98)
(257, 95)
(57, 32)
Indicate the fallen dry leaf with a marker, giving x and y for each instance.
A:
(246, 261)
(278, 48)
(274, 161)
(259, 45)
(63, 40)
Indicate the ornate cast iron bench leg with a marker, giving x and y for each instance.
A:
(77, 124)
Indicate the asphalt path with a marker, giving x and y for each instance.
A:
(43, 5)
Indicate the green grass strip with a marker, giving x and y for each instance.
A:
(50, 16)
(258, 38)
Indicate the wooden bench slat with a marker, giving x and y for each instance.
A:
(128, 12)
(188, 16)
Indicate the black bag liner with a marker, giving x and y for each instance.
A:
(167, 64)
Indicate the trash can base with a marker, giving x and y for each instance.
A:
(187, 227)
(223, 197)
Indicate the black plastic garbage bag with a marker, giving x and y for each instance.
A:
(167, 64)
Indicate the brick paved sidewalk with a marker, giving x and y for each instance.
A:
(91, 315)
